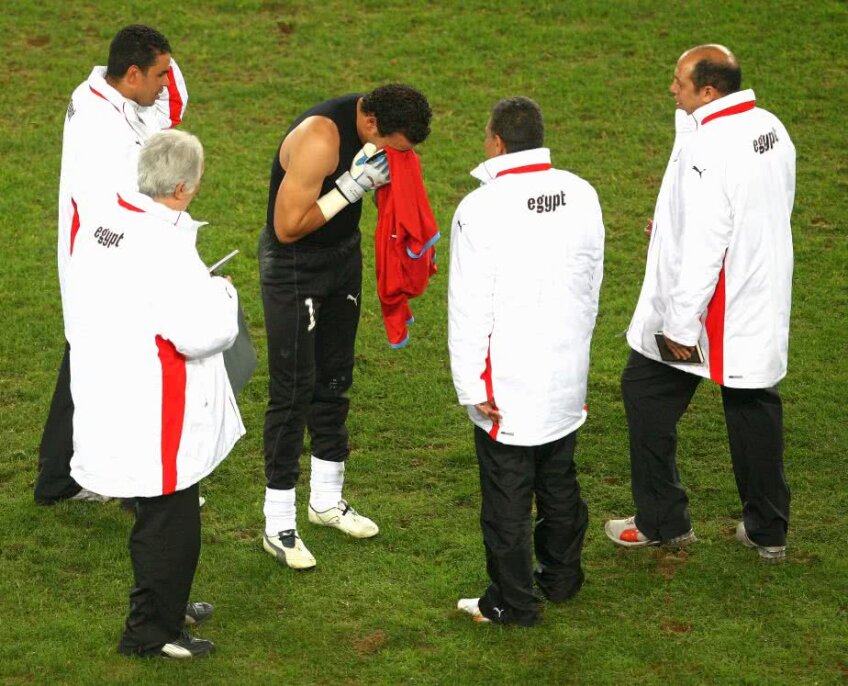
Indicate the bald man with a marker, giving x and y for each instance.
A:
(714, 304)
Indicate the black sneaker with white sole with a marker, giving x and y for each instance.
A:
(186, 647)
(196, 613)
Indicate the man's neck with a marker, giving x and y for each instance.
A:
(120, 86)
(172, 203)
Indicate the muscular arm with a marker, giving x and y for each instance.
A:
(309, 154)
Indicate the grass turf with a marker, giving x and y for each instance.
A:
(381, 611)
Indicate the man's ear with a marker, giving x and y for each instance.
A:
(500, 146)
(133, 75)
(709, 93)
(371, 125)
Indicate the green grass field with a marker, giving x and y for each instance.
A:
(382, 611)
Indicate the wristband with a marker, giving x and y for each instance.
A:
(332, 203)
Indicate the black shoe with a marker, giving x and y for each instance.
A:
(187, 646)
(196, 613)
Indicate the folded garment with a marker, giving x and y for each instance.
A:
(406, 234)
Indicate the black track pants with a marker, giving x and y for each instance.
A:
(509, 478)
(54, 481)
(164, 548)
(311, 298)
(655, 397)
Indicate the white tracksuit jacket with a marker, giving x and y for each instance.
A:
(153, 408)
(719, 265)
(102, 137)
(526, 267)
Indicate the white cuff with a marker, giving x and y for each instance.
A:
(332, 203)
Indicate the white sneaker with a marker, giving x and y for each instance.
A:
(624, 532)
(345, 518)
(769, 553)
(472, 607)
(87, 496)
(287, 547)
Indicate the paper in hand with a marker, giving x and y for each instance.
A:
(220, 263)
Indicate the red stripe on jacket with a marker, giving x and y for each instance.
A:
(736, 109)
(75, 224)
(541, 166)
(490, 393)
(175, 100)
(173, 410)
(100, 95)
(132, 208)
(715, 329)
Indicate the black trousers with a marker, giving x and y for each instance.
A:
(164, 548)
(54, 481)
(509, 477)
(655, 397)
(311, 300)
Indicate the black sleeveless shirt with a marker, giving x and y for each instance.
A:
(342, 112)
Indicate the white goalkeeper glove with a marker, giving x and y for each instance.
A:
(369, 171)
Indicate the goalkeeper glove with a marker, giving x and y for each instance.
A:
(369, 171)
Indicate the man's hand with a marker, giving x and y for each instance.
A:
(680, 351)
(649, 228)
(373, 173)
(490, 410)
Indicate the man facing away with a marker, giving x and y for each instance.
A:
(110, 115)
(525, 275)
(310, 266)
(719, 275)
(154, 410)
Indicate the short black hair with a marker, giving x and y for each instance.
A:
(399, 109)
(137, 45)
(518, 122)
(725, 77)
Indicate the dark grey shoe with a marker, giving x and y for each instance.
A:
(197, 613)
(187, 646)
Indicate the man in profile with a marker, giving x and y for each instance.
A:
(110, 115)
(718, 280)
(527, 252)
(310, 266)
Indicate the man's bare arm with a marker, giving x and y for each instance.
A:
(309, 154)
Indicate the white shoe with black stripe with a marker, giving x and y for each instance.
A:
(287, 547)
(344, 518)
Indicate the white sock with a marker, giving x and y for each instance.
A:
(279, 511)
(325, 484)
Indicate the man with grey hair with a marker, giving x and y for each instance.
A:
(154, 409)
(714, 304)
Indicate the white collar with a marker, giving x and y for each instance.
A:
(495, 166)
(734, 103)
(100, 86)
(139, 202)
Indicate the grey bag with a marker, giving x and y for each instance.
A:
(240, 359)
